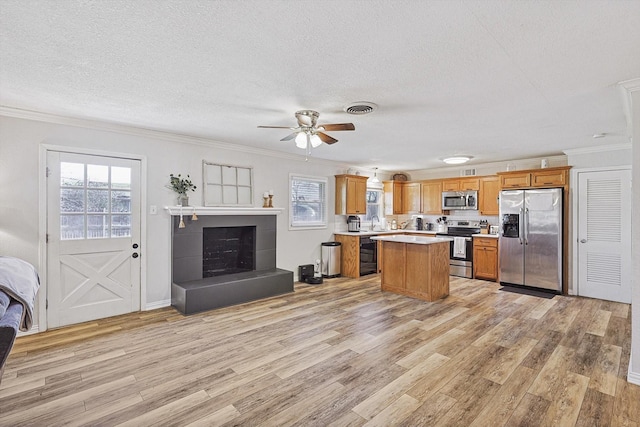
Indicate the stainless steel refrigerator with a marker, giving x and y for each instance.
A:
(531, 238)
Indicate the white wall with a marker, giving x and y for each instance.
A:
(20, 141)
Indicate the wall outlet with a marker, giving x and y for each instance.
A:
(153, 210)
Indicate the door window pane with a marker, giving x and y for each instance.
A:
(121, 226)
(120, 178)
(71, 174)
(97, 226)
(120, 201)
(71, 227)
(97, 201)
(71, 200)
(97, 176)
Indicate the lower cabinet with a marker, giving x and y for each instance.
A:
(350, 255)
(485, 258)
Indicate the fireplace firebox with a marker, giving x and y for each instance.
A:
(228, 250)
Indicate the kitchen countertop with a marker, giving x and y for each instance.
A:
(491, 236)
(376, 233)
(419, 240)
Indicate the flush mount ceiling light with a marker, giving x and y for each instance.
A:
(599, 135)
(457, 160)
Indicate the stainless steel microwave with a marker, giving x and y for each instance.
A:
(459, 200)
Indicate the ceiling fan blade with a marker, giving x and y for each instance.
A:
(289, 137)
(338, 126)
(276, 127)
(326, 138)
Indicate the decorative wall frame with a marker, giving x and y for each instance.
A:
(227, 185)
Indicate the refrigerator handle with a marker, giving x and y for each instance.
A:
(520, 225)
(526, 226)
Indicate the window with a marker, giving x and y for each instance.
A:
(227, 185)
(95, 201)
(308, 202)
(374, 206)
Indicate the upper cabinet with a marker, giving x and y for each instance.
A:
(460, 184)
(392, 197)
(431, 196)
(411, 197)
(488, 195)
(549, 177)
(351, 195)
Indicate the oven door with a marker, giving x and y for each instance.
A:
(461, 265)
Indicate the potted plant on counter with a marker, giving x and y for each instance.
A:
(181, 186)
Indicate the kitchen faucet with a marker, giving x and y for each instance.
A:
(373, 226)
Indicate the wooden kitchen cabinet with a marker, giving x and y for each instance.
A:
(392, 197)
(535, 178)
(485, 258)
(488, 195)
(431, 195)
(351, 195)
(549, 178)
(411, 197)
(461, 184)
(349, 255)
(515, 180)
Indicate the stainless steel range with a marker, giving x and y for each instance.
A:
(461, 248)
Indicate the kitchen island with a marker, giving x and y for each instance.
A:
(415, 266)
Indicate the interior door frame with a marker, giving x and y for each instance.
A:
(42, 221)
(573, 247)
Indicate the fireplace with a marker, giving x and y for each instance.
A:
(221, 260)
(228, 250)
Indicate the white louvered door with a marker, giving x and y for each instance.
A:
(604, 235)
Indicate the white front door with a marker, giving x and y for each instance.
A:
(604, 235)
(93, 231)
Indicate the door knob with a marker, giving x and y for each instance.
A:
(135, 255)
(583, 241)
(135, 246)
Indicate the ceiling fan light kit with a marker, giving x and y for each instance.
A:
(457, 160)
(308, 134)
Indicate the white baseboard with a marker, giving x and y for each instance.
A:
(34, 330)
(157, 304)
(633, 377)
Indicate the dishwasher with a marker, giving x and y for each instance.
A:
(368, 256)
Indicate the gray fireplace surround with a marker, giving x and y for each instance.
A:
(193, 293)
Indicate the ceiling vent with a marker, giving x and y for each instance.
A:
(468, 172)
(361, 107)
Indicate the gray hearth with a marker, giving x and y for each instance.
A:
(221, 260)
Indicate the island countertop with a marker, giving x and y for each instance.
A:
(419, 240)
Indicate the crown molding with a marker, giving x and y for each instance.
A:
(597, 149)
(155, 134)
(626, 88)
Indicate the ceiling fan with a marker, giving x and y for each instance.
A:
(308, 134)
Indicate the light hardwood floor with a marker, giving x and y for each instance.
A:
(342, 353)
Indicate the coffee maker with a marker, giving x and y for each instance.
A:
(353, 223)
(419, 223)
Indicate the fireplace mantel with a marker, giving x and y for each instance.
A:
(231, 210)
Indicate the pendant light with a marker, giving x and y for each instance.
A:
(375, 176)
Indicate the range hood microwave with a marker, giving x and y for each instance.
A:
(459, 200)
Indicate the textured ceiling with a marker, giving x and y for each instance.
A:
(497, 80)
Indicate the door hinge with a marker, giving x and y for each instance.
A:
(46, 304)
(47, 238)
(48, 171)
